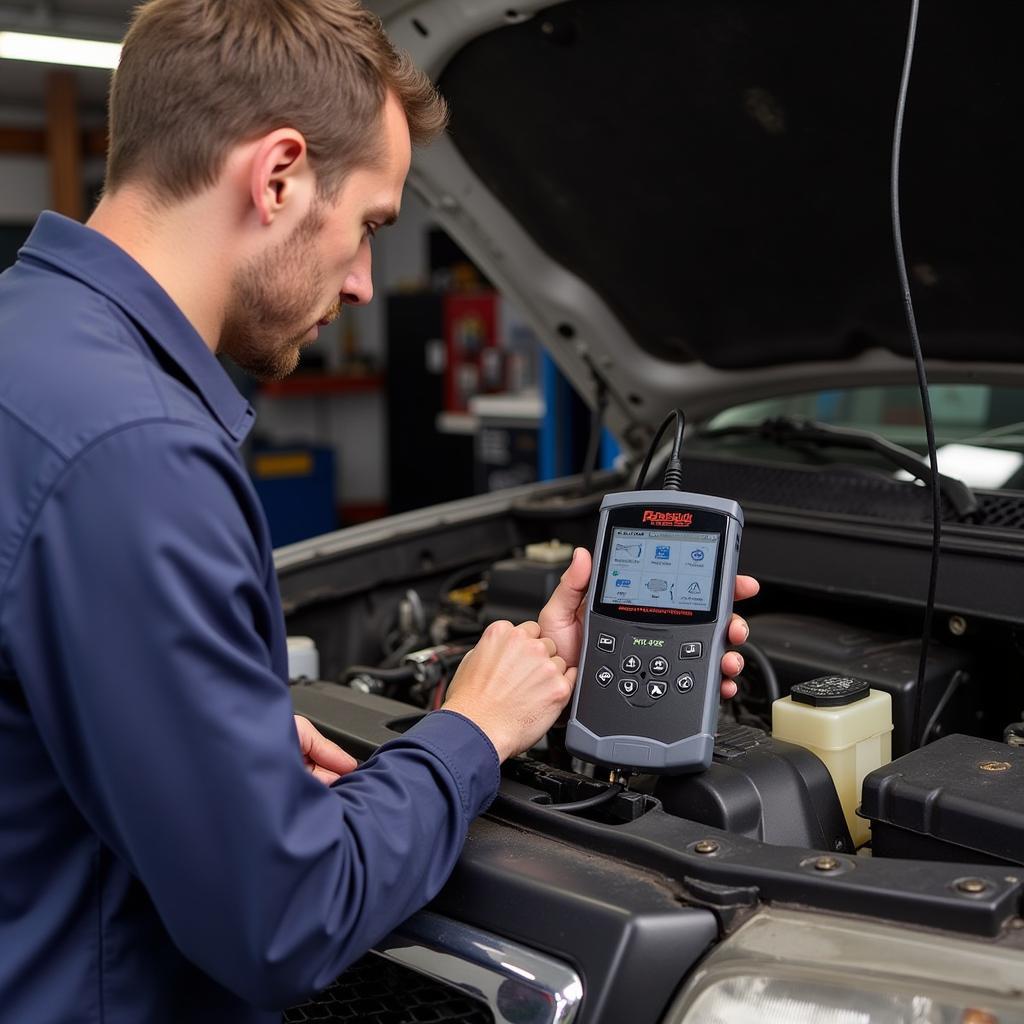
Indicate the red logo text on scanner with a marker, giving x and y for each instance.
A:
(678, 519)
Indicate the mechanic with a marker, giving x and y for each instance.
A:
(168, 851)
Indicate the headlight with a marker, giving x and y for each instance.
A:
(786, 967)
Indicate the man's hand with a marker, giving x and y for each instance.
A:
(513, 685)
(562, 618)
(324, 759)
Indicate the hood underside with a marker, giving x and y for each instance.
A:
(711, 178)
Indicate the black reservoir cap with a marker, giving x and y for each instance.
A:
(830, 691)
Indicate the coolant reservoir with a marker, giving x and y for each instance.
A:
(848, 725)
(303, 658)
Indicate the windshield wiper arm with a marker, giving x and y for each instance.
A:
(792, 431)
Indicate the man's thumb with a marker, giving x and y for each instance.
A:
(577, 576)
(571, 589)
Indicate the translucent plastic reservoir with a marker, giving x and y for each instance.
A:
(303, 658)
(852, 739)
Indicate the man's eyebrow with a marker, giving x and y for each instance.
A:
(384, 216)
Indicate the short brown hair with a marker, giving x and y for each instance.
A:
(199, 76)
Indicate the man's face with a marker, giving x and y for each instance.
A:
(281, 297)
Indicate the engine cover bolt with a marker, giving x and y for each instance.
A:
(995, 766)
(971, 885)
(957, 625)
(706, 846)
(827, 863)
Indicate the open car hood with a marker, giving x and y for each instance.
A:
(690, 199)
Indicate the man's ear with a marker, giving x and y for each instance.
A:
(280, 176)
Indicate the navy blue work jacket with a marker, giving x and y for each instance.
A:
(164, 855)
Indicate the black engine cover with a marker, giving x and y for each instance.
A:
(762, 788)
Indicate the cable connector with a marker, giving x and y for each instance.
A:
(673, 478)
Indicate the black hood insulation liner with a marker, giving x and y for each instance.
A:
(718, 170)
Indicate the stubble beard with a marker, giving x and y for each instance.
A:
(273, 304)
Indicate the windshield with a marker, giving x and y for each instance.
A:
(979, 429)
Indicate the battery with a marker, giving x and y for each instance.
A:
(960, 798)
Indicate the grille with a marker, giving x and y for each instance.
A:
(376, 991)
(1002, 511)
(840, 492)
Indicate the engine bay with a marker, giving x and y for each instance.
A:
(403, 639)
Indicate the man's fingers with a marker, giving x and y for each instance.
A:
(739, 631)
(746, 586)
(532, 630)
(321, 752)
(327, 754)
(732, 664)
(564, 603)
(728, 689)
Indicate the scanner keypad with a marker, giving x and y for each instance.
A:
(661, 669)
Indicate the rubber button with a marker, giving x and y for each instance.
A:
(606, 643)
(691, 650)
(604, 675)
(656, 689)
(659, 666)
(684, 682)
(627, 687)
(631, 663)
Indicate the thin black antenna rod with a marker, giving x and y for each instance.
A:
(922, 379)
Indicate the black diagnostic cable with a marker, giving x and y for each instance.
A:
(922, 378)
(769, 678)
(954, 684)
(591, 801)
(673, 478)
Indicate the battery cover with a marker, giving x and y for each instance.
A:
(959, 798)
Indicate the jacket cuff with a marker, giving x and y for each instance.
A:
(466, 752)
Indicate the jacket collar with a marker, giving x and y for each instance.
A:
(97, 262)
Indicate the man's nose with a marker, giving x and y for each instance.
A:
(358, 287)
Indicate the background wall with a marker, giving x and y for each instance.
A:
(24, 188)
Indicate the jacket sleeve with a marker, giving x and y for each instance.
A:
(138, 619)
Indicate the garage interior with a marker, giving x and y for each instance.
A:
(857, 836)
(435, 391)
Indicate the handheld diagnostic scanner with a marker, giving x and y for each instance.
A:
(658, 611)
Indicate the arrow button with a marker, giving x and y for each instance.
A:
(656, 690)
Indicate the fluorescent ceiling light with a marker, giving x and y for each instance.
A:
(85, 53)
